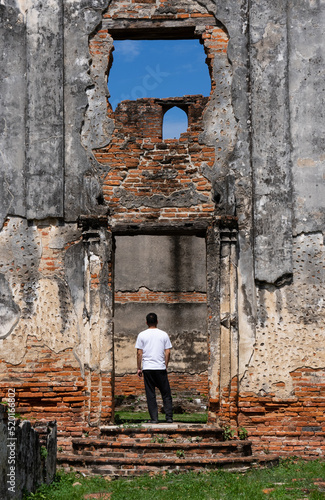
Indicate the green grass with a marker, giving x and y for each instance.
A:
(129, 417)
(292, 479)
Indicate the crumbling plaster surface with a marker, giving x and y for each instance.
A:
(95, 349)
(307, 104)
(43, 293)
(43, 299)
(290, 331)
(276, 52)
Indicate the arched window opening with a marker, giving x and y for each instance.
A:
(175, 123)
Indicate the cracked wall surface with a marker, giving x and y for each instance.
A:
(290, 323)
(247, 178)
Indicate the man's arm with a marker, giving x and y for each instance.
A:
(167, 356)
(139, 362)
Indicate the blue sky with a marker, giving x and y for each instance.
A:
(158, 68)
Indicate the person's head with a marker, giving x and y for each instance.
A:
(152, 319)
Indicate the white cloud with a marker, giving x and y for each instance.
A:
(129, 49)
(188, 68)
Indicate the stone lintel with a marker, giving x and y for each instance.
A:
(124, 29)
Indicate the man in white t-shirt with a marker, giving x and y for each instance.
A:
(153, 352)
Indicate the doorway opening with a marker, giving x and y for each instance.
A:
(165, 274)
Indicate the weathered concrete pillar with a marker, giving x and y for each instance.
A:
(228, 323)
(222, 320)
(45, 128)
(12, 110)
(213, 307)
(271, 140)
(98, 331)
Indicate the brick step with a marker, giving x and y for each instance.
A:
(153, 448)
(152, 438)
(102, 447)
(168, 431)
(119, 466)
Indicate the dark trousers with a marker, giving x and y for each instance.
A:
(159, 379)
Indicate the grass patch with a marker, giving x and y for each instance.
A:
(131, 417)
(292, 479)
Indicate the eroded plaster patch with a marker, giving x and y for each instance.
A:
(9, 311)
(36, 299)
(290, 332)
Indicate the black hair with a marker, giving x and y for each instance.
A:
(152, 319)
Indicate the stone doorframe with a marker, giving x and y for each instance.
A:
(222, 322)
(221, 238)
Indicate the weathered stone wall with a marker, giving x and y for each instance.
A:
(248, 176)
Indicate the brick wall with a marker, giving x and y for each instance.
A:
(48, 386)
(293, 425)
(130, 384)
(142, 165)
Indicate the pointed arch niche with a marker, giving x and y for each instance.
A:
(175, 123)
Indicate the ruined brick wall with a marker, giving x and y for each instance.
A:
(154, 180)
(247, 177)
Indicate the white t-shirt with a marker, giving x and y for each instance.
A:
(153, 343)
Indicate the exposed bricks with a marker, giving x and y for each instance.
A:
(159, 297)
(53, 389)
(140, 169)
(130, 384)
(146, 9)
(292, 426)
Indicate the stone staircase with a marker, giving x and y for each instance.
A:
(152, 448)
